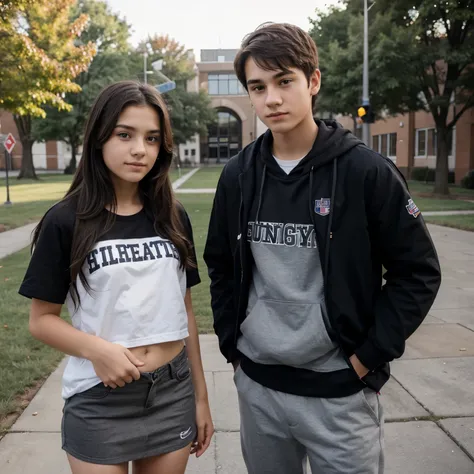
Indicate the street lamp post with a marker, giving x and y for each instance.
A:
(365, 77)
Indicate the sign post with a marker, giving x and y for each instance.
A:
(9, 143)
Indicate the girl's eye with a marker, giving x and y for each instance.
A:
(123, 134)
(153, 139)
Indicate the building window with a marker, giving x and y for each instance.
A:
(224, 84)
(385, 144)
(420, 143)
(375, 143)
(392, 152)
(193, 152)
(225, 136)
(431, 142)
(426, 142)
(186, 152)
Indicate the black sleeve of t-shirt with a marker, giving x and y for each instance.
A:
(192, 274)
(48, 275)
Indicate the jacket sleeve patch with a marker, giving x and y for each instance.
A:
(412, 208)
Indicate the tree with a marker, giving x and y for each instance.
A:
(110, 35)
(421, 58)
(43, 63)
(190, 112)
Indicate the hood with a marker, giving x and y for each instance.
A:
(331, 142)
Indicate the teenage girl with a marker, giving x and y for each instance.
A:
(118, 250)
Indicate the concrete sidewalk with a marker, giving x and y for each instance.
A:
(429, 402)
(14, 240)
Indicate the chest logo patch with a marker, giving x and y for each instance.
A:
(322, 206)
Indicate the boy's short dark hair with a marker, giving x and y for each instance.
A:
(275, 46)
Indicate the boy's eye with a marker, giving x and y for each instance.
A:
(258, 88)
(286, 81)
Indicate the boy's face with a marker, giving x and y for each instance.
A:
(282, 99)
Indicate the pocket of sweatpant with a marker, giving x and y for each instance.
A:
(371, 404)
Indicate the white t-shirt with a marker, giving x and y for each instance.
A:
(137, 286)
(287, 165)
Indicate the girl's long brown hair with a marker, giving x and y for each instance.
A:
(92, 189)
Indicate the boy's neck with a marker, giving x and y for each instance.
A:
(297, 143)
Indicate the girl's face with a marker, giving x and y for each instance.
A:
(133, 147)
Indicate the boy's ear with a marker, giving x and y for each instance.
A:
(315, 82)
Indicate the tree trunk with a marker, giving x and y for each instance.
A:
(442, 165)
(23, 124)
(71, 167)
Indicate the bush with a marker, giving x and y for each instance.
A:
(428, 175)
(468, 180)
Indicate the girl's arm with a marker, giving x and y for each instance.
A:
(203, 413)
(115, 365)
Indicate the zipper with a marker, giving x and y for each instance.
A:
(241, 243)
(328, 321)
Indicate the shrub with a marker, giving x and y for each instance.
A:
(468, 180)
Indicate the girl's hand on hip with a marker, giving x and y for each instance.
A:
(115, 365)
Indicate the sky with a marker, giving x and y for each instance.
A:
(211, 24)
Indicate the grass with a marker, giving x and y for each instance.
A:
(23, 360)
(206, 177)
(417, 187)
(434, 204)
(31, 199)
(198, 207)
(465, 222)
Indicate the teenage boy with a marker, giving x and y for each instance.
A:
(304, 220)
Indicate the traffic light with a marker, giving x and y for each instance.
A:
(365, 114)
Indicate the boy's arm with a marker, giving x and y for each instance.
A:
(220, 263)
(413, 277)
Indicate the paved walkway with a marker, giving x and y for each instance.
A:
(429, 401)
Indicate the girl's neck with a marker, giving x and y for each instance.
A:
(127, 198)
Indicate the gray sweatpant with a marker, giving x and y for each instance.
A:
(279, 431)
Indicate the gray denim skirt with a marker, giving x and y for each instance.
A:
(148, 417)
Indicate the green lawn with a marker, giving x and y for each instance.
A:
(198, 207)
(432, 204)
(455, 190)
(465, 222)
(206, 177)
(31, 199)
(24, 361)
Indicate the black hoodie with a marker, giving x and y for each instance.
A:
(363, 218)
